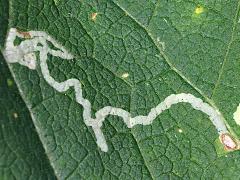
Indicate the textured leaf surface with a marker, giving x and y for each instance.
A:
(22, 155)
(165, 47)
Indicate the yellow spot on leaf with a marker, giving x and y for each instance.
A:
(199, 10)
(180, 130)
(125, 75)
(15, 115)
(94, 16)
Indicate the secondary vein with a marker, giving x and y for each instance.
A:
(227, 51)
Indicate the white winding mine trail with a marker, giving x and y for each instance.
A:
(33, 41)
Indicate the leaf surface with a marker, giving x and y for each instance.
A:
(22, 154)
(132, 55)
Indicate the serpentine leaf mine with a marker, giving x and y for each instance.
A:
(36, 41)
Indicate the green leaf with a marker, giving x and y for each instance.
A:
(22, 154)
(4, 6)
(130, 55)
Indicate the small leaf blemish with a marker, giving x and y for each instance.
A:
(125, 75)
(15, 115)
(199, 10)
(165, 20)
(180, 130)
(25, 34)
(94, 16)
(162, 44)
(228, 142)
